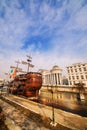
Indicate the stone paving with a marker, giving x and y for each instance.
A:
(15, 120)
(70, 120)
(67, 119)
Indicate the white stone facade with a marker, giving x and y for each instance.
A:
(77, 73)
(52, 77)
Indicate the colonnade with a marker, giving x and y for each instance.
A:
(52, 79)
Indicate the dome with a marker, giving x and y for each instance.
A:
(55, 67)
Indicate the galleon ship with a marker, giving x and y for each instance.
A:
(27, 84)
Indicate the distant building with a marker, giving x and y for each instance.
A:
(52, 77)
(1, 82)
(77, 73)
(65, 81)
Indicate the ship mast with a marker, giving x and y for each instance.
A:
(29, 59)
(17, 68)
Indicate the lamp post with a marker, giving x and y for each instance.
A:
(53, 123)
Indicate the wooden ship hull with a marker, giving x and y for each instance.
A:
(26, 84)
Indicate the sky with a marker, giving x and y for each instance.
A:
(52, 32)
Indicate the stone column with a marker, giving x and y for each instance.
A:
(51, 79)
(59, 78)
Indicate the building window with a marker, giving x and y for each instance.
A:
(82, 77)
(86, 76)
(71, 70)
(73, 77)
(77, 77)
(68, 71)
(79, 69)
(69, 78)
(70, 83)
(84, 68)
(73, 82)
(75, 70)
(83, 64)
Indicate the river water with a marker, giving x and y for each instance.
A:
(76, 107)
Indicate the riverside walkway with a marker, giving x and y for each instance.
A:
(73, 121)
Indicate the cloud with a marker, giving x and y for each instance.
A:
(52, 32)
(78, 16)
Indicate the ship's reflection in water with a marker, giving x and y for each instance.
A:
(79, 107)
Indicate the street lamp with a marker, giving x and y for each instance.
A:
(53, 123)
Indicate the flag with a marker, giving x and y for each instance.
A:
(13, 73)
